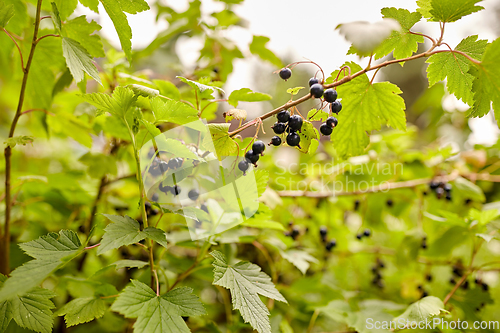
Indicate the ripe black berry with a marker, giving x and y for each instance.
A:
(356, 205)
(243, 165)
(258, 147)
(176, 190)
(433, 185)
(439, 192)
(312, 81)
(428, 277)
(332, 122)
(335, 107)
(295, 122)
(174, 163)
(447, 187)
(163, 166)
(389, 203)
(285, 73)
(316, 90)
(283, 116)
(279, 128)
(204, 208)
(425, 294)
(295, 233)
(275, 141)
(293, 139)
(424, 244)
(448, 196)
(155, 197)
(164, 189)
(359, 236)
(325, 129)
(330, 245)
(323, 231)
(330, 95)
(367, 232)
(251, 157)
(193, 194)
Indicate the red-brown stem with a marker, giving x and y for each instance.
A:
(41, 110)
(5, 244)
(18, 48)
(49, 35)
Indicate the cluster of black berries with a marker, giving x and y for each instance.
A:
(159, 167)
(441, 189)
(252, 156)
(423, 292)
(458, 271)
(423, 245)
(481, 284)
(316, 90)
(329, 244)
(294, 231)
(365, 233)
(289, 124)
(377, 275)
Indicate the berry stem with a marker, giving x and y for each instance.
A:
(5, 238)
(18, 48)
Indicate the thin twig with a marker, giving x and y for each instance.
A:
(18, 48)
(41, 110)
(49, 35)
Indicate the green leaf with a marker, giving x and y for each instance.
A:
(423, 309)
(483, 217)
(469, 189)
(82, 310)
(81, 31)
(50, 252)
(202, 88)
(133, 6)
(317, 115)
(294, 91)
(157, 235)
(123, 231)
(308, 135)
(220, 140)
(143, 91)
(403, 43)
(91, 4)
(299, 259)
(258, 48)
(367, 107)
(168, 89)
(79, 61)
(129, 264)
(157, 314)
(366, 36)
(66, 8)
(246, 95)
(172, 111)
(118, 104)
(5, 309)
(56, 17)
(19, 140)
(455, 67)
(447, 10)
(115, 10)
(486, 87)
(6, 13)
(246, 282)
(99, 164)
(33, 310)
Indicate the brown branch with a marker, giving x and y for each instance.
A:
(41, 110)
(337, 83)
(5, 248)
(18, 48)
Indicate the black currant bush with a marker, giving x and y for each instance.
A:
(111, 223)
